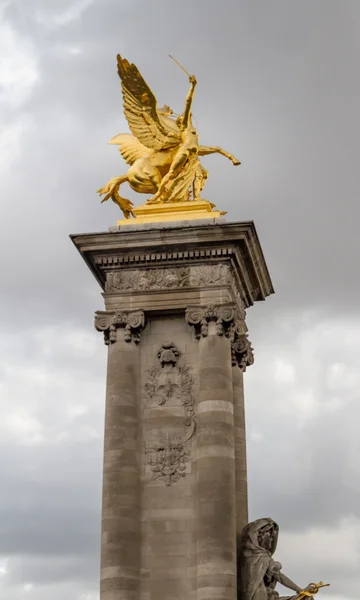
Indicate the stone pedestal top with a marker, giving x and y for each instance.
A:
(179, 246)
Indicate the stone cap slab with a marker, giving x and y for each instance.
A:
(180, 244)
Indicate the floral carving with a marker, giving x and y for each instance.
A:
(136, 280)
(109, 322)
(167, 460)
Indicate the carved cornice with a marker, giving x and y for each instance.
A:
(109, 322)
(158, 246)
(242, 353)
(153, 258)
(200, 317)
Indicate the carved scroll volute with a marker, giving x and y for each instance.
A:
(242, 352)
(200, 317)
(109, 322)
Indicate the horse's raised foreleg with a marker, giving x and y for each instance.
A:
(204, 150)
(111, 190)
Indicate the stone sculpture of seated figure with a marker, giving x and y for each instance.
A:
(258, 572)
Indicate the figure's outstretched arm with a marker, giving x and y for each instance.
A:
(188, 102)
(285, 581)
(204, 150)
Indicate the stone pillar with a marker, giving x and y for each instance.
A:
(242, 357)
(215, 461)
(121, 512)
(175, 491)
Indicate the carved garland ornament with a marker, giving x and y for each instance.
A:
(109, 322)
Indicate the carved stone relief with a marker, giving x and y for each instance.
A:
(134, 280)
(167, 460)
(217, 274)
(109, 322)
(166, 381)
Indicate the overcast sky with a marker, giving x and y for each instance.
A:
(278, 86)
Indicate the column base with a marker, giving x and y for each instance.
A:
(172, 211)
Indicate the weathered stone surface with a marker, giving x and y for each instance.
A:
(175, 483)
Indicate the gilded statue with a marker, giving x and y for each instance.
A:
(162, 150)
(258, 573)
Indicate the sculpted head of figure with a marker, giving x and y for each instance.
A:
(266, 536)
(260, 536)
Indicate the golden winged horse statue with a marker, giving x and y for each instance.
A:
(162, 151)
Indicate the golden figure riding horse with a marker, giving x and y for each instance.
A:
(163, 151)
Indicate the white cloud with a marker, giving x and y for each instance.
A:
(330, 554)
(66, 50)
(18, 67)
(73, 12)
(284, 372)
(312, 372)
(329, 548)
(53, 397)
(13, 141)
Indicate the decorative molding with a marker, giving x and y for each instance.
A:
(200, 317)
(158, 257)
(242, 352)
(109, 322)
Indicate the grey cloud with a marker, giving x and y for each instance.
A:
(277, 88)
(293, 133)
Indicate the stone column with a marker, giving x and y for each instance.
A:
(242, 357)
(187, 496)
(215, 462)
(121, 510)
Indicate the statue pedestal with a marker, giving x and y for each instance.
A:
(174, 480)
(173, 211)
